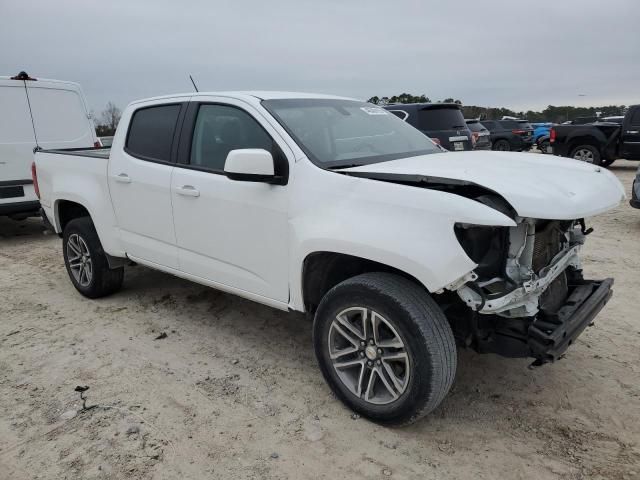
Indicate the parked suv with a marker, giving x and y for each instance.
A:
(481, 136)
(442, 122)
(510, 135)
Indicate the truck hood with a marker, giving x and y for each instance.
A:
(535, 185)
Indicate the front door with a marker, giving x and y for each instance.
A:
(229, 232)
(140, 170)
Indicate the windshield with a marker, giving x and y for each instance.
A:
(342, 133)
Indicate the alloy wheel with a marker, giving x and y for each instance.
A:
(368, 355)
(584, 155)
(79, 259)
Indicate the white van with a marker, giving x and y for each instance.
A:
(36, 112)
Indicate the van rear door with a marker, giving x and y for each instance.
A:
(60, 116)
(16, 133)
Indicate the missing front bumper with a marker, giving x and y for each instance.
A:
(551, 335)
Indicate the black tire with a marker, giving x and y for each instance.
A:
(607, 162)
(544, 146)
(586, 151)
(502, 145)
(423, 328)
(103, 280)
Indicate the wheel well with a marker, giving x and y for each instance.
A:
(322, 271)
(578, 141)
(68, 210)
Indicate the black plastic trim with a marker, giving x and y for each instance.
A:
(15, 183)
(20, 207)
(549, 341)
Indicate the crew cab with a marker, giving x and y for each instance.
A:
(337, 208)
(599, 143)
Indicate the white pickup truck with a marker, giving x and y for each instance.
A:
(339, 209)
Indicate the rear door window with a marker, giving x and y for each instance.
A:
(60, 118)
(441, 119)
(635, 119)
(151, 132)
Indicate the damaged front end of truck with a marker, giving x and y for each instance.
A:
(527, 297)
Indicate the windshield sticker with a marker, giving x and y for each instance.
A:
(374, 110)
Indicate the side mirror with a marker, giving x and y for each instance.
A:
(250, 165)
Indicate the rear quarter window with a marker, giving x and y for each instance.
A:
(151, 132)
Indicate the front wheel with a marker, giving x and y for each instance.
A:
(384, 347)
(86, 261)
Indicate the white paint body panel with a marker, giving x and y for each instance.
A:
(60, 119)
(536, 185)
(254, 161)
(252, 239)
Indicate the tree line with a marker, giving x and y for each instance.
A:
(108, 120)
(555, 114)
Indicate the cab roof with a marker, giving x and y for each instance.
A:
(251, 96)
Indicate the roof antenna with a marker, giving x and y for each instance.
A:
(194, 84)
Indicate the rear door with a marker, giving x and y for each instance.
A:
(447, 125)
(16, 143)
(630, 147)
(60, 116)
(140, 168)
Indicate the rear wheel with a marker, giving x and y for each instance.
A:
(86, 261)
(502, 146)
(384, 347)
(586, 153)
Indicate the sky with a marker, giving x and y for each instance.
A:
(517, 54)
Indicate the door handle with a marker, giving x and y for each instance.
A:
(188, 191)
(633, 132)
(122, 178)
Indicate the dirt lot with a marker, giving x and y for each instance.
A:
(233, 390)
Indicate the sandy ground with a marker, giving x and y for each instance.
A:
(233, 391)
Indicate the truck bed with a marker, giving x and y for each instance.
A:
(102, 152)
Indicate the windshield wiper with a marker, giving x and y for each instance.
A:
(348, 165)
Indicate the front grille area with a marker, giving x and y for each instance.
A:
(547, 244)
